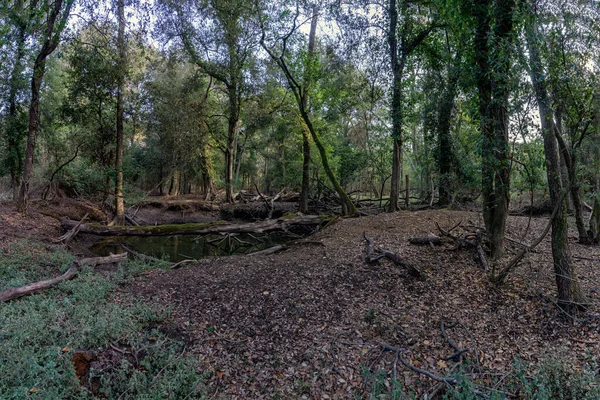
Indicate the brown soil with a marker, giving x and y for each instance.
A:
(305, 322)
(34, 225)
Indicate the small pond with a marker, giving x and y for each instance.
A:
(182, 247)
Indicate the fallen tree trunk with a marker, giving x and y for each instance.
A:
(283, 224)
(14, 293)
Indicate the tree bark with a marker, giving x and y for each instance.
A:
(569, 293)
(119, 203)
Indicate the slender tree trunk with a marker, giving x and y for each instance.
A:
(397, 62)
(567, 285)
(303, 203)
(52, 37)
(348, 207)
(299, 93)
(573, 186)
(14, 135)
(444, 140)
(119, 203)
(232, 132)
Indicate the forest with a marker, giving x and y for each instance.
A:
(300, 199)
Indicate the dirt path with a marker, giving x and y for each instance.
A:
(305, 322)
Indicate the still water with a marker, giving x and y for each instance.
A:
(182, 247)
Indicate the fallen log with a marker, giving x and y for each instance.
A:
(284, 223)
(14, 293)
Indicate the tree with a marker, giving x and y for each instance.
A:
(59, 12)
(224, 29)
(569, 293)
(20, 17)
(300, 89)
(492, 55)
(121, 71)
(402, 41)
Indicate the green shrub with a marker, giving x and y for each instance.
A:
(40, 333)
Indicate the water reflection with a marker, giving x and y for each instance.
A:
(181, 247)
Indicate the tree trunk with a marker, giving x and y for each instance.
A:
(52, 37)
(232, 132)
(14, 135)
(303, 203)
(569, 293)
(573, 188)
(119, 203)
(493, 72)
(444, 139)
(348, 207)
(397, 63)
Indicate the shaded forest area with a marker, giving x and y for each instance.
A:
(365, 179)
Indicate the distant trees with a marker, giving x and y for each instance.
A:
(219, 37)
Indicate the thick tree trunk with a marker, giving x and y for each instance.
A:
(569, 293)
(119, 203)
(493, 72)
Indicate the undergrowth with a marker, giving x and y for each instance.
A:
(552, 381)
(39, 334)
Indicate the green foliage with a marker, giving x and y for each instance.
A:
(39, 333)
(551, 381)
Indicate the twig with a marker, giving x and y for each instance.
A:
(385, 347)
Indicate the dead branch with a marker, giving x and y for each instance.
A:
(374, 254)
(72, 233)
(430, 240)
(14, 293)
(399, 351)
(182, 262)
(501, 277)
(479, 250)
(270, 250)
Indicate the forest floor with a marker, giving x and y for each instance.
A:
(306, 322)
(310, 322)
